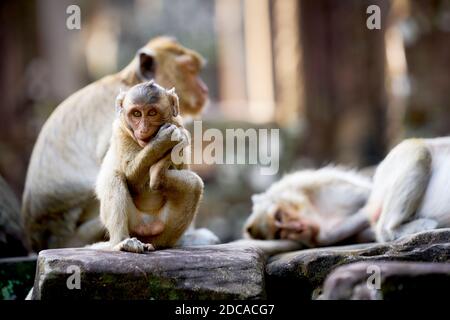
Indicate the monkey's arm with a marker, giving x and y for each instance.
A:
(353, 225)
(138, 166)
(158, 170)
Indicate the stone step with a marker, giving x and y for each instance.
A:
(307, 269)
(228, 271)
(388, 281)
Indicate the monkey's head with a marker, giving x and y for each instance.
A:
(172, 65)
(144, 108)
(282, 217)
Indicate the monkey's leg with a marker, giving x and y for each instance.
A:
(116, 208)
(89, 231)
(411, 167)
(418, 225)
(351, 226)
(183, 189)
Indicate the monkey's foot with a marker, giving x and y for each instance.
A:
(134, 245)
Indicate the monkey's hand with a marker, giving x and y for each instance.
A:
(154, 151)
(133, 245)
(167, 137)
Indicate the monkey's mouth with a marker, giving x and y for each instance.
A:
(143, 142)
(144, 139)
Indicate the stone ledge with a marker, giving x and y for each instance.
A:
(307, 269)
(397, 281)
(209, 272)
(238, 270)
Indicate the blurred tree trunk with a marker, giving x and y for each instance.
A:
(345, 98)
(18, 43)
(427, 50)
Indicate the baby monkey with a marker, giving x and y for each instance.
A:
(146, 200)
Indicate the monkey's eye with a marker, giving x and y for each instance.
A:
(152, 113)
(278, 216)
(137, 114)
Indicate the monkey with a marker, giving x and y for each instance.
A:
(410, 189)
(407, 194)
(309, 206)
(149, 94)
(59, 206)
(133, 189)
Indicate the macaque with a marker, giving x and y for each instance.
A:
(311, 207)
(59, 206)
(410, 189)
(408, 195)
(136, 190)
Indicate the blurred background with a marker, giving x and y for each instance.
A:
(339, 92)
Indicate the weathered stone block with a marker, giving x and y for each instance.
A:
(208, 272)
(306, 270)
(388, 281)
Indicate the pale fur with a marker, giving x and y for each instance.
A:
(334, 193)
(410, 192)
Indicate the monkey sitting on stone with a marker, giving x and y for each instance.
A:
(141, 190)
(59, 206)
(314, 207)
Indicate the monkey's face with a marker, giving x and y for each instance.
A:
(279, 219)
(144, 121)
(195, 91)
(172, 65)
(145, 108)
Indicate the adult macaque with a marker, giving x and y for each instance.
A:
(59, 205)
(408, 195)
(311, 207)
(138, 186)
(410, 189)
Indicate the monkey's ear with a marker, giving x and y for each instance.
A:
(146, 64)
(175, 104)
(119, 101)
